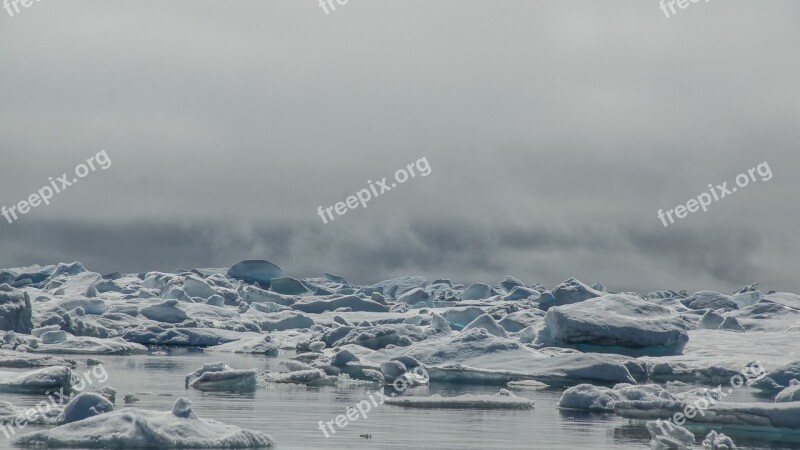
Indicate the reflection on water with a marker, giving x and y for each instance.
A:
(291, 414)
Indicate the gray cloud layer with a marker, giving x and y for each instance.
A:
(555, 131)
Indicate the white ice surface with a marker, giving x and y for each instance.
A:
(140, 428)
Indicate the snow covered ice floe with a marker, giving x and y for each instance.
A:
(502, 400)
(263, 345)
(615, 324)
(84, 345)
(763, 415)
(40, 381)
(354, 302)
(183, 337)
(713, 356)
(140, 428)
(311, 376)
(20, 360)
(598, 398)
(478, 357)
(44, 416)
(220, 377)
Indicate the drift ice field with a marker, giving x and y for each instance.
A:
(167, 360)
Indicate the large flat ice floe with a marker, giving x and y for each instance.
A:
(40, 381)
(140, 428)
(503, 400)
(784, 416)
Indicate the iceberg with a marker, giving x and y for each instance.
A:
(615, 324)
(255, 271)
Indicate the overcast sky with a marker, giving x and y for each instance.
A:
(555, 131)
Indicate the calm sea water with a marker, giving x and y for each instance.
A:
(292, 415)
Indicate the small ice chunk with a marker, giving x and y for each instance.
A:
(527, 385)
(85, 404)
(220, 377)
(439, 324)
(478, 291)
(53, 337)
(416, 296)
(108, 392)
(167, 311)
(790, 394)
(488, 323)
(393, 369)
(342, 357)
(667, 435)
(509, 283)
(196, 287)
(183, 408)
(317, 346)
(288, 286)
(37, 332)
(719, 441)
